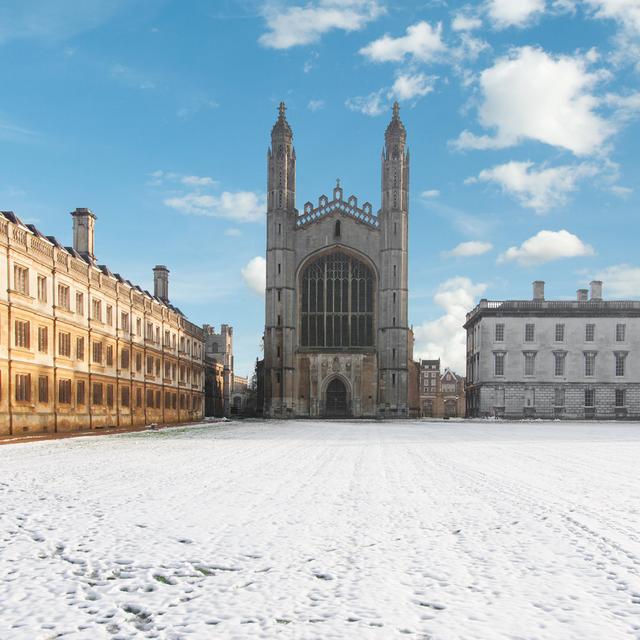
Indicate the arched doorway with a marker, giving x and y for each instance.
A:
(450, 409)
(336, 404)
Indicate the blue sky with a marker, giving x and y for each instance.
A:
(522, 117)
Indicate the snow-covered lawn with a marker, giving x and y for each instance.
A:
(324, 530)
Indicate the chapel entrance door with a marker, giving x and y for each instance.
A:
(336, 399)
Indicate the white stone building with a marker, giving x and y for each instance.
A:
(554, 358)
(337, 340)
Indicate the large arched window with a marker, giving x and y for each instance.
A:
(337, 303)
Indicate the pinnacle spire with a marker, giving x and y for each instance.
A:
(282, 126)
(395, 130)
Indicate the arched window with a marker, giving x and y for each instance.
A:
(336, 303)
(337, 229)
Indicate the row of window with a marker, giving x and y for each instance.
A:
(559, 398)
(152, 332)
(559, 363)
(99, 353)
(559, 335)
(101, 394)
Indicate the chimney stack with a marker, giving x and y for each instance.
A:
(84, 221)
(161, 282)
(538, 290)
(583, 295)
(596, 290)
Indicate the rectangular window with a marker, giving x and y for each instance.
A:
(43, 339)
(589, 397)
(498, 364)
(278, 295)
(621, 330)
(620, 359)
(97, 393)
(21, 279)
(529, 332)
(529, 364)
(109, 315)
(80, 392)
(149, 399)
(109, 354)
(80, 304)
(620, 398)
(23, 387)
(139, 326)
(96, 310)
(109, 395)
(138, 397)
(64, 391)
(559, 363)
(589, 332)
(124, 321)
(124, 396)
(558, 399)
(97, 352)
(64, 297)
(22, 331)
(79, 348)
(500, 332)
(559, 333)
(138, 362)
(64, 344)
(124, 359)
(149, 365)
(43, 389)
(42, 289)
(589, 364)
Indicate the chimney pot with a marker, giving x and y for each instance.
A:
(84, 221)
(596, 290)
(538, 290)
(161, 282)
(583, 295)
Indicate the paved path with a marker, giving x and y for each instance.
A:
(324, 530)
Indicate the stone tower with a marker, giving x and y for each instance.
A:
(336, 340)
(393, 328)
(280, 285)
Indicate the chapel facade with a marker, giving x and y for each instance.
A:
(337, 341)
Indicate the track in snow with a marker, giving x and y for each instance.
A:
(324, 530)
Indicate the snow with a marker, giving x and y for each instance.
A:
(447, 530)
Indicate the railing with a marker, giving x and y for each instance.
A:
(556, 305)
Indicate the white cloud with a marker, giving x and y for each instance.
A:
(374, 104)
(254, 274)
(407, 86)
(540, 189)
(233, 232)
(465, 22)
(530, 94)
(130, 77)
(315, 105)
(422, 42)
(241, 206)
(198, 181)
(513, 13)
(625, 12)
(621, 192)
(623, 280)
(430, 193)
(547, 246)
(299, 25)
(444, 337)
(470, 248)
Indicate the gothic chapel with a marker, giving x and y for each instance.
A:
(337, 341)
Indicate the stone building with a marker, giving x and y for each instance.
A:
(337, 340)
(82, 347)
(442, 395)
(554, 358)
(219, 375)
